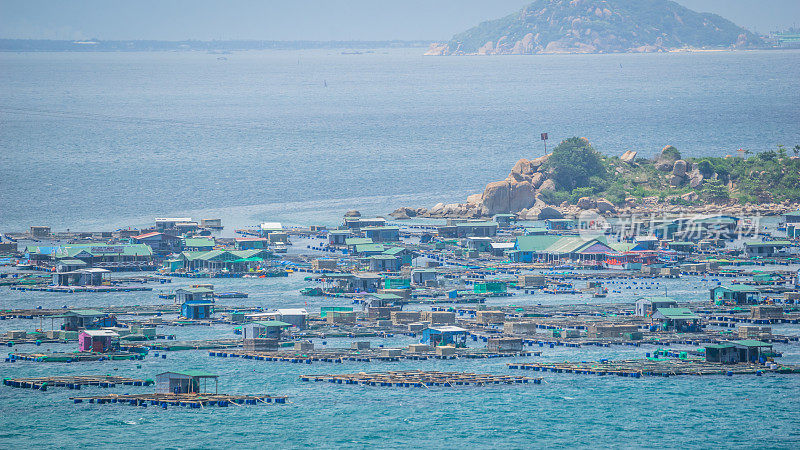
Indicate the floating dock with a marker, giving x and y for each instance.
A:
(638, 368)
(418, 378)
(341, 356)
(73, 382)
(73, 357)
(81, 289)
(188, 400)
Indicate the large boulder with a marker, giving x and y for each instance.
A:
(545, 213)
(537, 163)
(628, 157)
(605, 206)
(676, 181)
(474, 199)
(537, 179)
(495, 197)
(679, 168)
(521, 171)
(548, 185)
(586, 203)
(501, 197)
(666, 159)
(404, 213)
(696, 178)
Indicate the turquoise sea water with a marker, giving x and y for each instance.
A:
(97, 140)
(566, 410)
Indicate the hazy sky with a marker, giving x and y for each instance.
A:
(305, 19)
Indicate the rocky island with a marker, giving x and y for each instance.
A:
(575, 178)
(598, 26)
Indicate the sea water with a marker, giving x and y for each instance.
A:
(93, 141)
(566, 410)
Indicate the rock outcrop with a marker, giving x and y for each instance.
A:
(628, 157)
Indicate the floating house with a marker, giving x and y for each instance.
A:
(559, 224)
(681, 320)
(234, 261)
(123, 256)
(367, 250)
(384, 263)
(198, 244)
(196, 302)
(296, 317)
(767, 249)
(337, 238)
(82, 277)
(792, 221)
(500, 248)
(504, 220)
(197, 309)
(645, 307)
(382, 234)
(479, 244)
(405, 255)
(86, 318)
(460, 228)
(356, 223)
(490, 287)
(554, 248)
(737, 351)
(97, 341)
(266, 329)
(423, 276)
(736, 293)
(171, 223)
(185, 382)
(161, 243)
(250, 243)
(444, 335)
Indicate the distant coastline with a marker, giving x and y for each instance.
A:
(93, 45)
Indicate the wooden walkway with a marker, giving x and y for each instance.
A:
(73, 382)
(638, 368)
(341, 356)
(188, 400)
(72, 357)
(418, 378)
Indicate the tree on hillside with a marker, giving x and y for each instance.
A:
(574, 162)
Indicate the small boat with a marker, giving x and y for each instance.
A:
(230, 295)
(312, 292)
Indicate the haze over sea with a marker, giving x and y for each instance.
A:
(99, 140)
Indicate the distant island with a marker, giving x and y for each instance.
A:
(575, 178)
(97, 45)
(599, 26)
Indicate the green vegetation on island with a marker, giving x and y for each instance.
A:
(599, 26)
(578, 170)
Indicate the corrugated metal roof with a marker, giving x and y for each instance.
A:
(675, 313)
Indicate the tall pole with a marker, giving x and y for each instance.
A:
(544, 139)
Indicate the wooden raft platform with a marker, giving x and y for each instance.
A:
(190, 400)
(73, 357)
(81, 289)
(638, 368)
(418, 378)
(342, 356)
(73, 382)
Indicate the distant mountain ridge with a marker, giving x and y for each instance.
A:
(599, 26)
